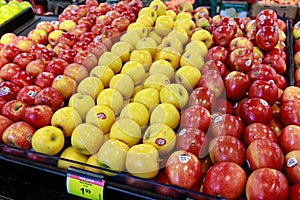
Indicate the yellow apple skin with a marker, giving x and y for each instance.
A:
(131, 37)
(139, 28)
(112, 155)
(162, 67)
(172, 41)
(159, 6)
(148, 11)
(164, 24)
(112, 60)
(122, 49)
(204, 36)
(71, 154)
(101, 116)
(165, 113)
(136, 111)
(66, 118)
(175, 94)
(95, 167)
(170, 54)
(180, 33)
(147, 96)
(65, 85)
(197, 46)
(135, 70)
(48, 140)
(111, 98)
(82, 103)
(157, 81)
(188, 76)
(123, 83)
(66, 25)
(145, 19)
(160, 136)
(147, 43)
(126, 130)
(87, 138)
(104, 73)
(183, 15)
(91, 86)
(172, 14)
(142, 161)
(53, 37)
(186, 24)
(142, 56)
(193, 59)
(155, 36)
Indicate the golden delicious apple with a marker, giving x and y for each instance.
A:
(66, 25)
(112, 60)
(181, 34)
(123, 83)
(162, 67)
(160, 136)
(112, 155)
(135, 70)
(172, 14)
(169, 54)
(186, 24)
(136, 111)
(164, 24)
(90, 85)
(204, 36)
(184, 15)
(156, 81)
(147, 96)
(145, 19)
(155, 36)
(147, 43)
(142, 56)
(71, 154)
(192, 59)
(142, 161)
(148, 11)
(165, 113)
(126, 130)
(188, 76)
(139, 28)
(159, 6)
(48, 140)
(175, 94)
(122, 49)
(95, 167)
(66, 118)
(173, 42)
(131, 37)
(101, 116)
(82, 103)
(104, 73)
(87, 138)
(197, 46)
(111, 98)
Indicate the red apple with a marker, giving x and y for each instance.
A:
(223, 34)
(135, 7)
(277, 62)
(8, 90)
(22, 79)
(10, 51)
(51, 97)
(67, 55)
(35, 67)
(121, 23)
(80, 46)
(78, 30)
(236, 85)
(87, 37)
(46, 55)
(87, 59)
(60, 47)
(28, 93)
(44, 79)
(267, 37)
(240, 42)
(241, 59)
(263, 72)
(3, 61)
(289, 113)
(129, 15)
(67, 38)
(23, 59)
(163, 187)
(211, 66)
(291, 167)
(289, 138)
(296, 46)
(266, 13)
(294, 191)
(8, 70)
(267, 183)
(56, 66)
(46, 26)
(87, 21)
(14, 110)
(266, 22)
(202, 96)
(38, 116)
(218, 53)
(97, 48)
(23, 43)
(223, 106)
(212, 81)
(4, 123)
(266, 90)
(276, 51)
(225, 179)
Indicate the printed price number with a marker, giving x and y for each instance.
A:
(85, 184)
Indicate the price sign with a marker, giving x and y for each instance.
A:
(85, 184)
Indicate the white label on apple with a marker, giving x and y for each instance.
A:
(291, 162)
(263, 102)
(4, 91)
(218, 119)
(248, 62)
(183, 158)
(182, 131)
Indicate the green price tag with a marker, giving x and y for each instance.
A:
(85, 184)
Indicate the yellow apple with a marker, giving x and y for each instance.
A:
(173, 42)
(90, 85)
(188, 76)
(162, 67)
(66, 25)
(148, 11)
(192, 58)
(48, 140)
(122, 49)
(170, 54)
(164, 24)
(186, 24)
(160, 136)
(112, 155)
(65, 85)
(136, 111)
(101, 116)
(104, 73)
(131, 37)
(81, 102)
(159, 6)
(175, 94)
(147, 43)
(181, 34)
(184, 15)
(66, 118)
(258, 53)
(171, 13)
(142, 161)
(145, 19)
(139, 28)
(87, 138)
(123, 83)
(147, 96)
(156, 81)
(111, 98)
(126, 130)
(95, 167)
(197, 46)
(112, 60)
(155, 36)
(142, 56)
(135, 70)
(204, 36)
(71, 154)
(165, 113)
(53, 37)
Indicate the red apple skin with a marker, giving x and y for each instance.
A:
(240, 42)
(97, 48)
(289, 138)
(10, 51)
(264, 153)
(277, 62)
(202, 96)
(35, 67)
(4, 123)
(19, 135)
(195, 117)
(267, 183)
(258, 131)
(87, 59)
(226, 179)
(223, 106)
(255, 110)
(222, 35)
(216, 53)
(263, 72)
(290, 93)
(44, 79)
(192, 140)
(2, 102)
(212, 81)
(266, 90)
(22, 79)
(28, 93)
(38, 116)
(67, 38)
(51, 97)
(267, 37)
(291, 167)
(289, 113)
(236, 85)
(294, 191)
(211, 66)
(3, 61)
(227, 148)
(8, 70)
(226, 124)
(76, 71)
(14, 110)
(8, 90)
(23, 59)
(241, 59)
(56, 66)
(162, 189)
